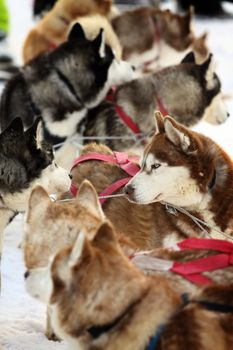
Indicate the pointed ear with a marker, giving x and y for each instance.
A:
(39, 134)
(80, 249)
(189, 58)
(208, 70)
(76, 33)
(190, 12)
(177, 134)
(159, 123)
(38, 202)
(105, 235)
(15, 126)
(88, 197)
(31, 133)
(99, 43)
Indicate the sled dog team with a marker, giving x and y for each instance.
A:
(127, 252)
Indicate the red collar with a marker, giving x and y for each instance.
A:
(193, 270)
(122, 159)
(121, 113)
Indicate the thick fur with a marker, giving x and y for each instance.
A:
(52, 29)
(80, 72)
(26, 161)
(98, 270)
(139, 100)
(198, 182)
(152, 38)
(186, 169)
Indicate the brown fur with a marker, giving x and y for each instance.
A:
(52, 29)
(149, 225)
(85, 300)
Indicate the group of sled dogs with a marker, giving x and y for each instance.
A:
(150, 268)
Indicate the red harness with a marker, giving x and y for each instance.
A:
(122, 159)
(127, 120)
(192, 271)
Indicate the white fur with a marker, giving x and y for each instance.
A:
(209, 76)
(53, 179)
(159, 55)
(39, 284)
(102, 46)
(170, 240)
(77, 249)
(176, 136)
(216, 112)
(171, 184)
(66, 127)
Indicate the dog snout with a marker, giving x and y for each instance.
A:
(129, 191)
(26, 274)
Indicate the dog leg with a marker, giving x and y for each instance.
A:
(50, 334)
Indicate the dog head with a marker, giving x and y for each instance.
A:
(179, 166)
(90, 66)
(204, 99)
(176, 29)
(82, 280)
(50, 226)
(26, 161)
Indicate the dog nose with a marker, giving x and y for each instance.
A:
(133, 68)
(70, 176)
(129, 190)
(228, 114)
(26, 274)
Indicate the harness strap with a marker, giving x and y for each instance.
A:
(161, 106)
(122, 159)
(127, 120)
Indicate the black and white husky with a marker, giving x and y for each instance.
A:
(61, 86)
(26, 160)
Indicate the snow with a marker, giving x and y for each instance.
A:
(22, 319)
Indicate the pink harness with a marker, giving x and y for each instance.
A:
(122, 159)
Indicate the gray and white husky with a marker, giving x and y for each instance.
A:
(26, 160)
(62, 85)
(189, 92)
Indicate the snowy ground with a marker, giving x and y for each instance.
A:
(21, 317)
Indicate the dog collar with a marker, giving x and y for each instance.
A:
(122, 159)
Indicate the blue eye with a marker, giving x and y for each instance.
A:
(155, 166)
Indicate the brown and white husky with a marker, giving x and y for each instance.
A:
(101, 301)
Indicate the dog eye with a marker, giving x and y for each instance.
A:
(155, 166)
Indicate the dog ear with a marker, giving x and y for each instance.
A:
(159, 123)
(88, 197)
(208, 71)
(189, 58)
(76, 33)
(80, 249)
(177, 134)
(31, 133)
(105, 235)
(16, 126)
(39, 134)
(38, 202)
(99, 43)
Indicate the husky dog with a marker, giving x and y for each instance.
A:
(151, 37)
(186, 169)
(61, 86)
(82, 280)
(26, 161)
(196, 179)
(165, 89)
(52, 29)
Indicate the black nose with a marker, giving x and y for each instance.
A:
(228, 114)
(129, 190)
(26, 274)
(133, 68)
(70, 176)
